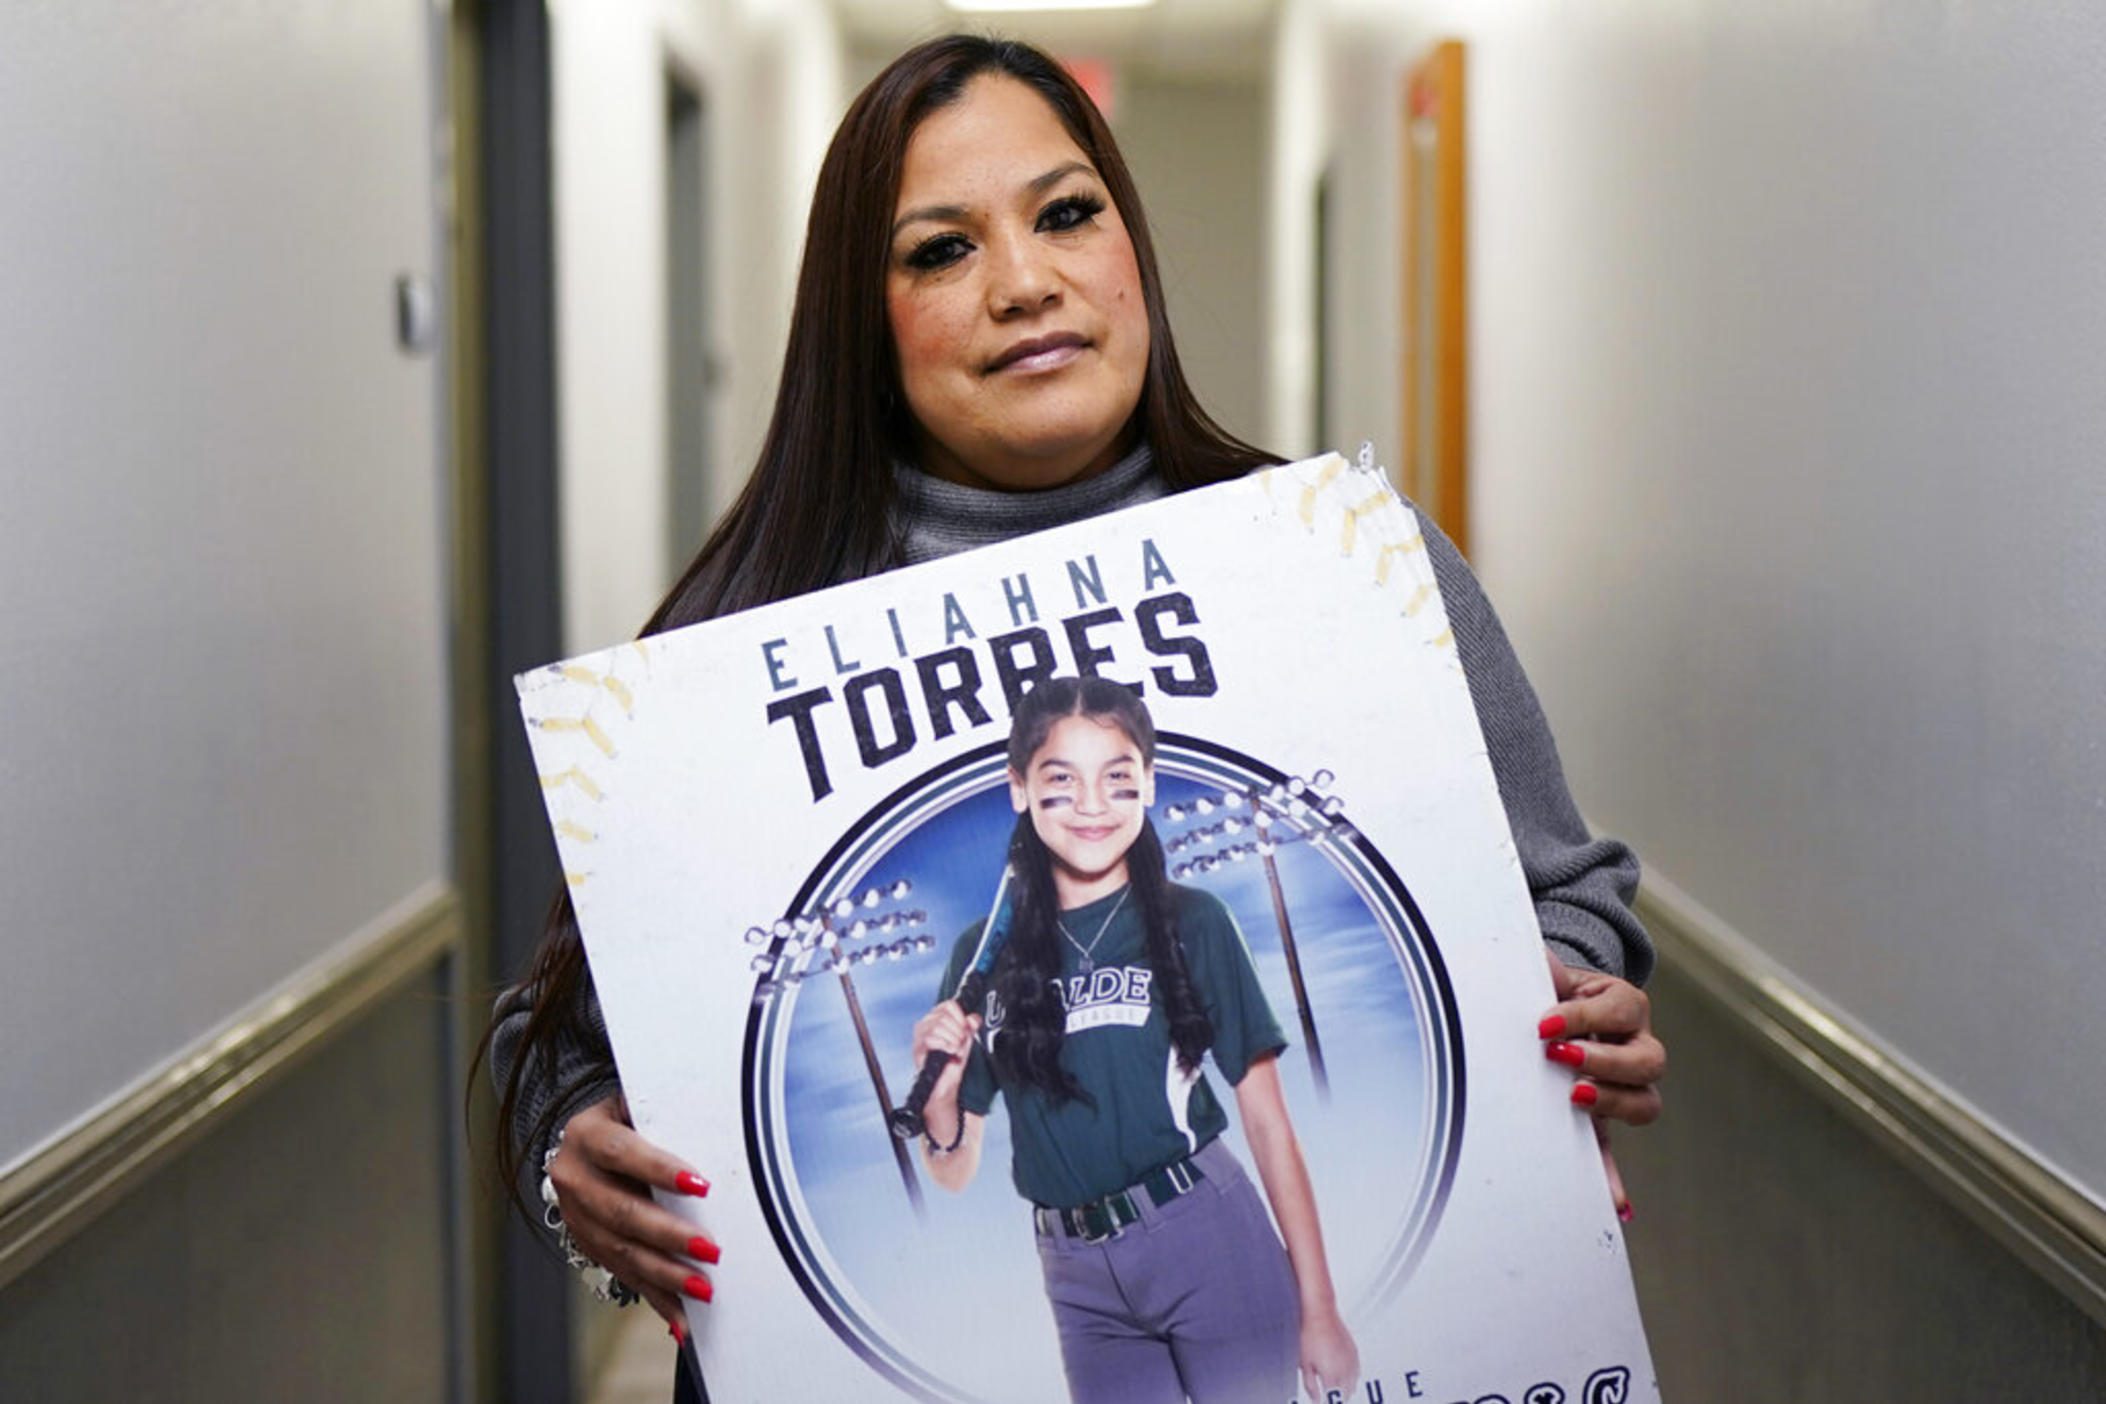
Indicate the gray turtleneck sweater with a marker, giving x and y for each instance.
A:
(1582, 885)
(936, 518)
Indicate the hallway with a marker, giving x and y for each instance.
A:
(362, 356)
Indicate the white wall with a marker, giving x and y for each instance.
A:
(1789, 412)
(223, 642)
(1296, 147)
(771, 76)
(1197, 152)
(1362, 61)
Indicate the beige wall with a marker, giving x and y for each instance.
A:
(1298, 143)
(224, 634)
(1196, 149)
(1782, 1254)
(770, 74)
(298, 1252)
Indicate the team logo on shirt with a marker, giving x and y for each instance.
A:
(1107, 996)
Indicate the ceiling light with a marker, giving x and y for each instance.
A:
(1013, 6)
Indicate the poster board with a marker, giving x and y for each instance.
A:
(782, 830)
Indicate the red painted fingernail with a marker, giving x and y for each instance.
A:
(688, 1182)
(677, 1332)
(703, 1250)
(1583, 1094)
(698, 1287)
(1551, 1027)
(1570, 1054)
(1625, 1212)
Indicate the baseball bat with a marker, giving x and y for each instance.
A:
(906, 1120)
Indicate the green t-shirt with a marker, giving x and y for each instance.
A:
(1143, 1111)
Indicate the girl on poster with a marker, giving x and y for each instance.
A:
(1166, 1279)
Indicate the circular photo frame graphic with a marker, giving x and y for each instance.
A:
(940, 1292)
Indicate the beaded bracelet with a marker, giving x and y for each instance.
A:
(604, 1285)
(956, 1141)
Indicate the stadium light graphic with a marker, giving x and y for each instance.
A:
(1254, 824)
(834, 938)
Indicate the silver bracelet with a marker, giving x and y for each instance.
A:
(604, 1285)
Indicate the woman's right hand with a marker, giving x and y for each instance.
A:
(603, 1173)
(946, 1029)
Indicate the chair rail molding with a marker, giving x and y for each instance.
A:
(58, 1187)
(2051, 1223)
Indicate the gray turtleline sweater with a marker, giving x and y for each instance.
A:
(1582, 885)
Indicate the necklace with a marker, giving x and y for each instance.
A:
(1089, 964)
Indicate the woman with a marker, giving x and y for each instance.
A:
(1111, 1121)
(978, 349)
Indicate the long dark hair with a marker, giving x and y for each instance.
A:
(818, 508)
(1027, 972)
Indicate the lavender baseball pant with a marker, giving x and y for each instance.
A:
(1196, 1301)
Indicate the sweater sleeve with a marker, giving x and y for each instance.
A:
(1582, 885)
(578, 1071)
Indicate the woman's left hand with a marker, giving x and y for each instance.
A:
(1330, 1360)
(1602, 1028)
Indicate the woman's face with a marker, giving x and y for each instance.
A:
(1087, 791)
(1013, 294)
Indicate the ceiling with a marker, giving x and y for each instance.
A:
(1197, 38)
